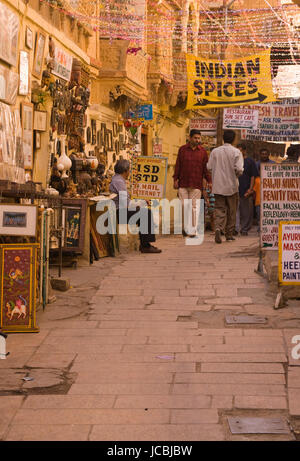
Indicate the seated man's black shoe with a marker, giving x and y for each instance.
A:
(218, 238)
(149, 249)
(230, 238)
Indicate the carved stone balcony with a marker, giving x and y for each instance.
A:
(123, 71)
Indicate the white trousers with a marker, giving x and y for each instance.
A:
(190, 210)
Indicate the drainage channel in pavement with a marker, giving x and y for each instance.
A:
(259, 425)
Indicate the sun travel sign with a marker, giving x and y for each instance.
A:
(280, 199)
(289, 253)
(225, 83)
(278, 121)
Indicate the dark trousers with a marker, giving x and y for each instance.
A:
(225, 213)
(246, 213)
(146, 233)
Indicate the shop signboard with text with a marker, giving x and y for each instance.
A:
(62, 63)
(278, 121)
(289, 253)
(207, 126)
(148, 178)
(280, 200)
(238, 118)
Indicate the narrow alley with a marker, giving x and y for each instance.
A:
(152, 355)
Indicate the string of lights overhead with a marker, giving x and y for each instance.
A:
(245, 28)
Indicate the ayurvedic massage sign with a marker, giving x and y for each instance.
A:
(289, 253)
(225, 83)
(280, 199)
(149, 175)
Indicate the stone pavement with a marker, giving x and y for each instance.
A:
(150, 357)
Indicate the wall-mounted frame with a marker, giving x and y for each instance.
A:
(18, 220)
(94, 131)
(37, 140)
(9, 35)
(39, 55)
(115, 129)
(18, 264)
(109, 140)
(74, 214)
(24, 73)
(40, 120)
(29, 38)
(103, 134)
(99, 138)
(88, 135)
(27, 133)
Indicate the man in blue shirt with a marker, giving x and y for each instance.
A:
(264, 155)
(246, 183)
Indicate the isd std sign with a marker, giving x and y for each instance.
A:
(225, 83)
(149, 176)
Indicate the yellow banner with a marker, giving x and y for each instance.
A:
(227, 83)
(148, 178)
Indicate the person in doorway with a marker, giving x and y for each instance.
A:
(190, 169)
(246, 183)
(118, 185)
(264, 157)
(226, 164)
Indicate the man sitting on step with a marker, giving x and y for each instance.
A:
(125, 213)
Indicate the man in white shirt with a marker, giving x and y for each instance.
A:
(226, 164)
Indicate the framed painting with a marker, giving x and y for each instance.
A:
(24, 73)
(109, 140)
(27, 134)
(74, 215)
(115, 129)
(18, 264)
(39, 55)
(37, 140)
(40, 120)
(98, 138)
(18, 220)
(103, 135)
(94, 131)
(29, 38)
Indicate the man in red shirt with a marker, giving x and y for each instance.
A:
(190, 170)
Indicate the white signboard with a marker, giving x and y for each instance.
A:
(280, 199)
(157, 146)
(207, 126)
(238, 118)
(289, 253)
(278, 121)
(286, 84)
(62, 64)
